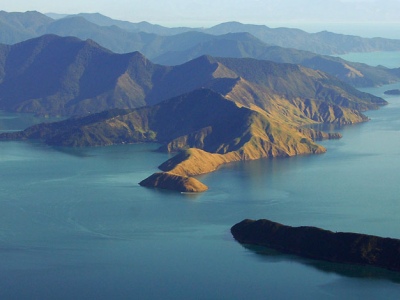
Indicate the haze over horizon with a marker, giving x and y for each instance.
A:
(343, 16)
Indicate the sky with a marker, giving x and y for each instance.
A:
(206, 13)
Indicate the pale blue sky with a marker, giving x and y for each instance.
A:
(210, 12)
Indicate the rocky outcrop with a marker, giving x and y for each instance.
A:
(316, 243)
(170, 181)
(194, 162)
(317, 135)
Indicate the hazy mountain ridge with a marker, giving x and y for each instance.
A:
(16, 27)
(21, 26)
(323, 42)
(45, 74)
(66, 76)
(186, 44)
(143, 26)
(357, 74)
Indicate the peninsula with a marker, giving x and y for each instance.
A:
(210, 111)
(205, 128)
(316, 243)
(392, 92)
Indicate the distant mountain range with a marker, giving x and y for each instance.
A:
(241, 45)
(179, 45)
(16, 27)
(322, 42)
(67, 76)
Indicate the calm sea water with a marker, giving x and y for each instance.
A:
(389, 59)
(74, 223)
(368, 30)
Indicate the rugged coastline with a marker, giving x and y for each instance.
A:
(232, 109)
(229, 132)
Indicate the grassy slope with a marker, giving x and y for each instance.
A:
(227, 133)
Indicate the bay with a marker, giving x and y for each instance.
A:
(75, 224)
(389, 59)
(366, 30)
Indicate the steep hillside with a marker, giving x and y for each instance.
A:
(291, 81)
(172, 46)
(357, 74)
(67, 76)
(203, 119)
(210, 129)
(290, 92)
(16, 27)
(235, 45)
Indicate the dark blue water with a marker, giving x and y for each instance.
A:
(74, 223)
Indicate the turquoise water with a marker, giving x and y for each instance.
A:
(74, 223)
(389, 59)
(367, 30)
(15, 121)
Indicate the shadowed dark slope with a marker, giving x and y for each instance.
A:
(312, 242)
(209, 129)
(171, 46)
(67, 76)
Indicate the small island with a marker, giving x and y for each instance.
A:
(317, 243)
(174, 182)
(392, 92)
